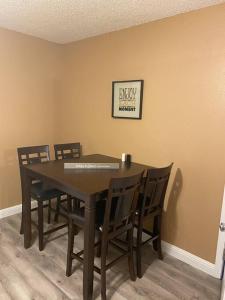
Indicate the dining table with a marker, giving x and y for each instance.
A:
(88, 185)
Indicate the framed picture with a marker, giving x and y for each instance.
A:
(127, 99)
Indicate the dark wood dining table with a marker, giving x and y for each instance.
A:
(84, 184)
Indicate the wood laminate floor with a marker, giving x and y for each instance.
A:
(34, 275)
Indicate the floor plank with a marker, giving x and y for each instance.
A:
(33, 275)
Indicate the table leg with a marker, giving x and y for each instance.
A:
(26, 208)
(89, 238)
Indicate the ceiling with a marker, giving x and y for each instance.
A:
(64, 21)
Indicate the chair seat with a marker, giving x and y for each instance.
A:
(78, 215)
(153, 211)
(39, 191)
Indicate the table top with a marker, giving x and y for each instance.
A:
(83, 183)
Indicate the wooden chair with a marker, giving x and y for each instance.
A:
(150, 205)
(39, 192)
(66, 151)
(113, 219)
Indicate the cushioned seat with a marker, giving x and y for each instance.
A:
(78, 215)
(154, 209)
(40, 191)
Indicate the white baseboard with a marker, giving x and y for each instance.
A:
(191, 259)
(6, 212)
(169, 249)
(13, 210)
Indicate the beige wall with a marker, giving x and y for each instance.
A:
(182, 62)
(29, 80)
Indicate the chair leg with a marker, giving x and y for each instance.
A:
(40, 225)
(21, 225)
(98, 250)
(69, 204)
(157, 230)
(71, 233)
(138, 250)
(76, 204)
(104, 250)
(49, 210)
(56, 218)
(131, 254)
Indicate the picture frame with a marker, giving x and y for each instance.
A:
(127, 97)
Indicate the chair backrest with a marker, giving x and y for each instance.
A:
(64, 151)
(121, 204)
(155, 189)
(33, 154)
